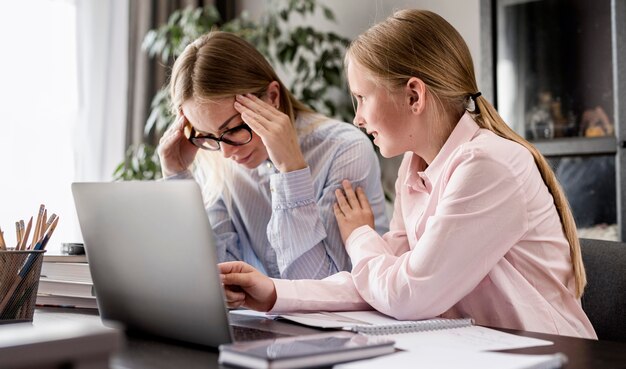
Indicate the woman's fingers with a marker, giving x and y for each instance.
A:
(256, 112)
(257, 105)
(259, 124)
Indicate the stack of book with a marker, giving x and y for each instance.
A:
(66, 281)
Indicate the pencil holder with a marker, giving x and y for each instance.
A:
(19, 280)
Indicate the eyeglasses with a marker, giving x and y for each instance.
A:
(236, 136)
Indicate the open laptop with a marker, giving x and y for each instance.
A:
(152, 258)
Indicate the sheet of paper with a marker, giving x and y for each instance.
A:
(246, 312)
(472, 338)
(453, 359)
(368, 317)
(340, 319)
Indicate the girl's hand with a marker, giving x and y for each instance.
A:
(352, 210)
(275, 129)
(246, 286)
(175, 151)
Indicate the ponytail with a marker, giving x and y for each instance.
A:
(489, 118)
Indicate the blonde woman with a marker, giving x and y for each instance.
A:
(480, 229)
(268, 164)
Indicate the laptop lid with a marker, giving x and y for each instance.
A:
(152, 257)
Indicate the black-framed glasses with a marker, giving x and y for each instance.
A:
(236, 136)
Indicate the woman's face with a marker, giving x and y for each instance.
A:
(215, 117)
(386, 115)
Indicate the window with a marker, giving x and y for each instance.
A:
(38, 110)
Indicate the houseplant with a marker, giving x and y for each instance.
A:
(311, 58)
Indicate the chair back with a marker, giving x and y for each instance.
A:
(604, 299)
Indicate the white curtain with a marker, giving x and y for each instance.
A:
(102, 52)
(44, 145)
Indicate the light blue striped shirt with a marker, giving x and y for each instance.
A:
(283, 223)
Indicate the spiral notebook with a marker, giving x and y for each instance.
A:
(410, 326)
(371, 322)
(450, 333)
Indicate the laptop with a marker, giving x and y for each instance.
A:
(152, 257)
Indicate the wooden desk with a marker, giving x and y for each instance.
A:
(143, 352)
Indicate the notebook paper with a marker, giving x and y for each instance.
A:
(453, 359)
(470, 337)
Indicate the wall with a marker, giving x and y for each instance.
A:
(355, 16)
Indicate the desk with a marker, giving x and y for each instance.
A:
(144, 353)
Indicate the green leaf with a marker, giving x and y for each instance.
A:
(329, 14)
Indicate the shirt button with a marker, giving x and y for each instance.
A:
(271, 189)
(269, 165)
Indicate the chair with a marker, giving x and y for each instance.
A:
(604, 299)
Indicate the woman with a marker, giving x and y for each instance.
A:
(480, 229)
(271, 204)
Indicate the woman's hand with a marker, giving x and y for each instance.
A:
(275, 129)
(352, 210)
(175, 151)
(246, 286)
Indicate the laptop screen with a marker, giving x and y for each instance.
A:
(152, 257)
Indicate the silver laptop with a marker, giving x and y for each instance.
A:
(152, 257)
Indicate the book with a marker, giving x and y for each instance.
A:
(457, 333)
(65, 288)
(76, 272)
(440, 358)
(64, 258)
(66, 301)
(304, 351)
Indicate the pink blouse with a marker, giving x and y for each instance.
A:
(475, 234)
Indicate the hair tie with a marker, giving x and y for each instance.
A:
(472, 107)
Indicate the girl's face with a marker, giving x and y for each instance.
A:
(386, 115)
(214, 118)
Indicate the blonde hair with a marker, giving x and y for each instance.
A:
(219, 65)
(418, 43)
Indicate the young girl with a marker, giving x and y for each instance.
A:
(480, 229)
(268, 175)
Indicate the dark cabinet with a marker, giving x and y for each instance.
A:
(556, 71)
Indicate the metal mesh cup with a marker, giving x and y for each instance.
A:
(19, 280)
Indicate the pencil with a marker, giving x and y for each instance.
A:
(44, 220)
(48, 223)
(3, 245)
(37, 227)
(26, 234)
(22, 230)
(46, 238)
(41, 245)
(17, 235)
(27, 265)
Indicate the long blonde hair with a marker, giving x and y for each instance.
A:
(219, 65)
(418, 43)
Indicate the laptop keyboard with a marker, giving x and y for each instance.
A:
(251, 334)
